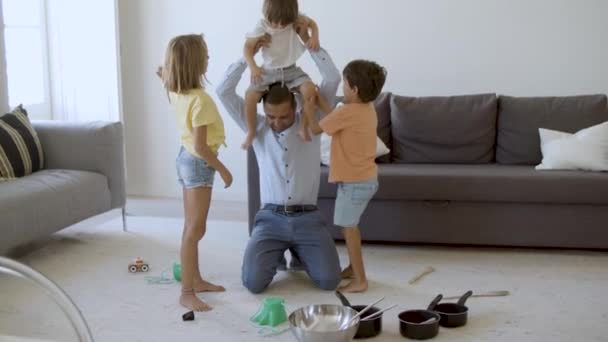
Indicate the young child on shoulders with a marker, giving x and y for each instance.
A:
(287, 31)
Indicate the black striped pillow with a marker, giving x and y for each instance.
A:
(20, 149)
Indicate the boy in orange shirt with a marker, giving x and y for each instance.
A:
(353, 153)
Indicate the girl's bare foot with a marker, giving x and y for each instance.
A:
(355, 286)
(189, 300)
(205, 286)
(348, 273)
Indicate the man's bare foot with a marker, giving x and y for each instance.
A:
(205, 286)
(189, 300)
(355, 286)
(347, 273)
(248, 142)
(305, 135)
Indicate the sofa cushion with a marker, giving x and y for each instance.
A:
(586, 150)
(519, 119)
(484, 183)
(47, 201)
(457, 129)
(383, 109)
(20, 150)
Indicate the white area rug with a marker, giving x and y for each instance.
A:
(555, 295)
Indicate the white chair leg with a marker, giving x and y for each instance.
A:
(57, 294)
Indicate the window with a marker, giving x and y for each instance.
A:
(60, 59)
(83, 59)
(25, 56)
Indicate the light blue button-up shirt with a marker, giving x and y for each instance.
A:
(289, 167)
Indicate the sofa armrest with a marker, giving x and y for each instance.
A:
(88, 146)
(253, 187)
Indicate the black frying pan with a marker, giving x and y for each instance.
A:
(453, 314)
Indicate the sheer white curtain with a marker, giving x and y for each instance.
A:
(84, 60)
(25, 78)
(3, 79)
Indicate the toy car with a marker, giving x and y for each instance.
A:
(138, 266)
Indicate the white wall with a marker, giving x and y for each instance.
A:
(430, 47)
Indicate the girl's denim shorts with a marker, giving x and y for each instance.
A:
(192, 171)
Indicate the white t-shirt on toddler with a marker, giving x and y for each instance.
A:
(285, 48)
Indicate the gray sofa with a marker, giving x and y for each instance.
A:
(84, 176)
(461, 171)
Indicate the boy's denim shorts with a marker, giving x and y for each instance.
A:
(193, 172)
(352, 200)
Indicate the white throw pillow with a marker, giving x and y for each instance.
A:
(381, 149)
(585, 150)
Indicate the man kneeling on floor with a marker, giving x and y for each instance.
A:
(290, 176)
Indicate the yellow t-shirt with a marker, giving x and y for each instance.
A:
(193, 109)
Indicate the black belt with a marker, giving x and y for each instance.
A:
(290, 209)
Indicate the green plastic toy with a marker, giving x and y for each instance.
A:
(177, 271)
(272, 312)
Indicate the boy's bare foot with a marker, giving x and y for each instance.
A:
(355, 286)
(205, 286)
(305, 135)
(189, 300)
(248, 142)
(347, 273)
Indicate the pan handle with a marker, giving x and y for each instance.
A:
(435, 302)
(343, 299)
(464, 297)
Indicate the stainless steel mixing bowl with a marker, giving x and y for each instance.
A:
(323, 323)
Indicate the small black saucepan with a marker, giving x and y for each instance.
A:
(367, 328)
(420, 324)
(453, 314)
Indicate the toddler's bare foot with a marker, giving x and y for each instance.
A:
(347, 273)
(248, 142)
(205, 286)
(305, 135)
(355, 286)
(191, 301)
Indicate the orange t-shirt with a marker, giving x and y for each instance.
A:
(353, 144)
